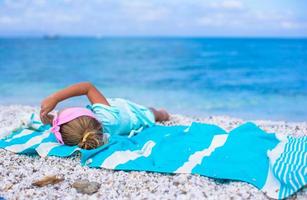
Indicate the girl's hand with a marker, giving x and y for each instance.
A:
(47, 106)
(47, 119)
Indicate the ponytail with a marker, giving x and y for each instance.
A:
(84, 131)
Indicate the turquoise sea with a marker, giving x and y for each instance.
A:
(248, 78)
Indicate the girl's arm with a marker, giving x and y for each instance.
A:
(85, 88)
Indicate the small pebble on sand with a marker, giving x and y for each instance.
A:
(86, 187)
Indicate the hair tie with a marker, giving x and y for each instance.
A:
(86, 135)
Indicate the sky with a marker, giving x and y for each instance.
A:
(249, 18)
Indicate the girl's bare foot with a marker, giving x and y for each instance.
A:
(164, 115)
(160, 115)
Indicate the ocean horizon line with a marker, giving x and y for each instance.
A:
(59, 36)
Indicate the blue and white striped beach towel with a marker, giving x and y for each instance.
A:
(272, 163)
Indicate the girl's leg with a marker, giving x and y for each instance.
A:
(160, 115)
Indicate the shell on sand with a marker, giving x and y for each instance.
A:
(53, 179)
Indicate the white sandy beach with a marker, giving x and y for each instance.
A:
(17, 172)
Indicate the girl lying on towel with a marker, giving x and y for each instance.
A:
(86, 127)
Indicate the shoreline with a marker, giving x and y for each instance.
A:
(19, 171)
(208, 116)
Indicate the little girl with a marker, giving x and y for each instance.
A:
(85, 126)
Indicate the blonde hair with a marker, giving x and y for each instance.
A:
(84, 131)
